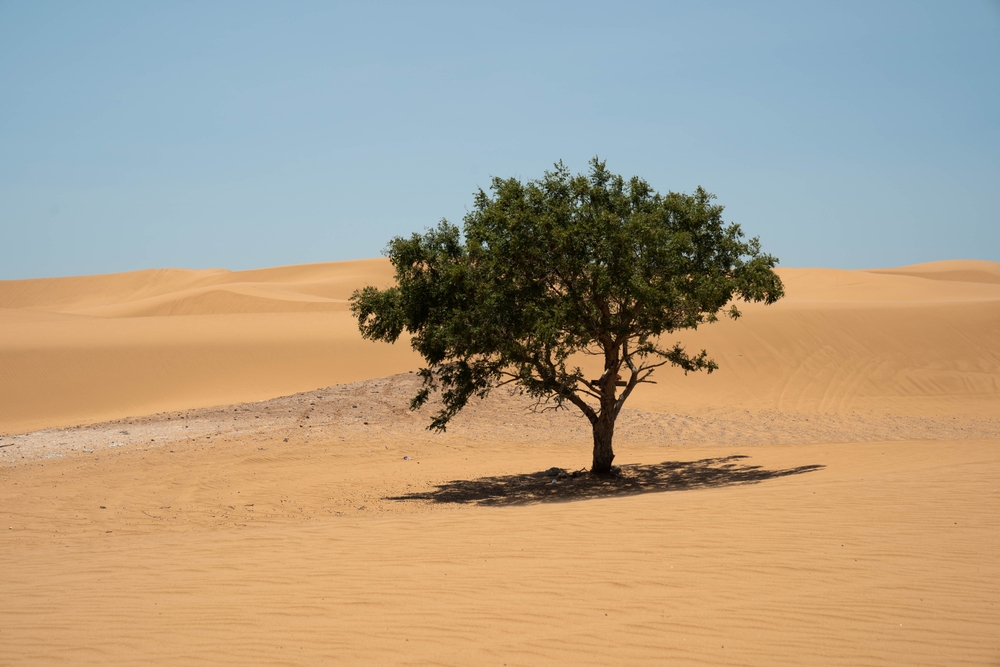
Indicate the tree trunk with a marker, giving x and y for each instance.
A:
(604, 432)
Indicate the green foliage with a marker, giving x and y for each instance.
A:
(562, 265)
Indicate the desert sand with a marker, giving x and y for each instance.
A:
(211, 467)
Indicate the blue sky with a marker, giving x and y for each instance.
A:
(239, 135)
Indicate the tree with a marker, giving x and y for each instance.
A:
(558, 266)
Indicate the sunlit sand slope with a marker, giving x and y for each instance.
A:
(855, 340)
(85, 349)
(917, 339)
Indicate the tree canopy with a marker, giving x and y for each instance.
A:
(544, 270)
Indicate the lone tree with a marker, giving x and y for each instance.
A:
(590, 264)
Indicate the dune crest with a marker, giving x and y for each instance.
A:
(156, 292)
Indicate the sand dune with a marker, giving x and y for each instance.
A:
(829, 497)
(911, 340)
(79, 350)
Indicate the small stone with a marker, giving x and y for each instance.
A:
(406, 458)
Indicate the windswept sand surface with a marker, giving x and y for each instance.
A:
(830, 497)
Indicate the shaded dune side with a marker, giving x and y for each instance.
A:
(94, 348)
(960, 271)
(219, 301)
(74, 293)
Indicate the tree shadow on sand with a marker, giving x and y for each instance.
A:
(555, 485)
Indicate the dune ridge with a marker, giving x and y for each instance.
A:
(166, 292)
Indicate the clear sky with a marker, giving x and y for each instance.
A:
(240, 134)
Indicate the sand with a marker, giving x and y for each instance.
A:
(174, 489)
(90, 349)
(80, 350)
